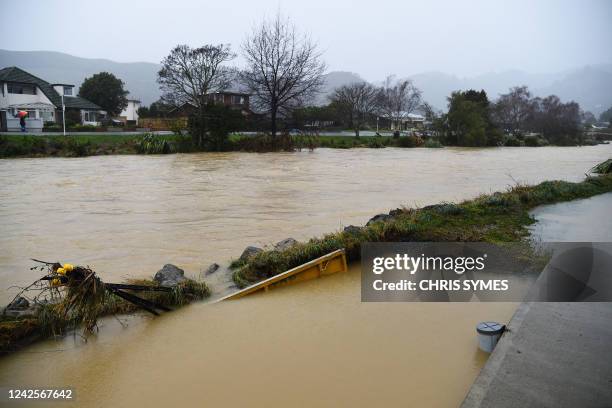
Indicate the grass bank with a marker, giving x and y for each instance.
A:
(96, 144)
(499, 217)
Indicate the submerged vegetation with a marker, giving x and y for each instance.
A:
(68, 298)
(498, 217)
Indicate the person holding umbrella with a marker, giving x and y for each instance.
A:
(22, 122)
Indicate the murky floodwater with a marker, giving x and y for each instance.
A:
(313, 344)
(129, 215)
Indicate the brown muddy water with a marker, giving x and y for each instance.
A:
(313, 344)
(129, 215)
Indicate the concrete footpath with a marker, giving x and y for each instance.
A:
(552, 355)
(555, 354)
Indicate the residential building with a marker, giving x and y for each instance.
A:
(22, 91)
(235, 100)
(130, 113)
(408, 121)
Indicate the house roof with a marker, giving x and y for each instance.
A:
(14, 74)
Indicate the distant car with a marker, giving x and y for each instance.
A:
(295, 132)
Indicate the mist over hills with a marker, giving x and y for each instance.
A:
(591, 86)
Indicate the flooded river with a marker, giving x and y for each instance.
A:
(130, 215)
(313, 344)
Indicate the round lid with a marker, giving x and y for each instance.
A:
(490, 328)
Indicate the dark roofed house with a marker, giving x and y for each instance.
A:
(234, 100)
(20, 90)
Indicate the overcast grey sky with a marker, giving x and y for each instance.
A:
(372, 37)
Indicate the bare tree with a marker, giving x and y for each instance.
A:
(357, 101)
(399, 98)
(283, 68)
(188, 75)
(512, 110)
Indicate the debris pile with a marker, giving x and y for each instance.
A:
(68, 297)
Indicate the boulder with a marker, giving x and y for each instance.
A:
(444, 208)
(285, 244)
(170, 275)
(352, 229)
(20, 303)
(214, 267)
(249, 252)
(379, 218)
(396, 212)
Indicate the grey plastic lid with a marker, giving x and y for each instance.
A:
(490, 328)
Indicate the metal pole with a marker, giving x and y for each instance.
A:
(63, 114)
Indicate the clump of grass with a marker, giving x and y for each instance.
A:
(496, 218)
(153, 144)
(603, 168)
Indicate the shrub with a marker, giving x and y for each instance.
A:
(512, 141)
(432, 143)
(532, 141)
(409, 141)
(376, 143)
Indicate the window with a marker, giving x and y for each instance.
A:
(47, 116)
(21, 89)
(67, 91)
(90, 116)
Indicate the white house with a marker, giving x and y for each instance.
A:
(131, 111)
(408, 121)
(20, 90)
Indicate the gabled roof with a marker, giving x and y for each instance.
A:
(14, 74)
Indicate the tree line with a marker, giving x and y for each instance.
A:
(284, 71)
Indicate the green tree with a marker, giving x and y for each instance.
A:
(215, 125)
(606, 116)
(105, 90)
(468, 120)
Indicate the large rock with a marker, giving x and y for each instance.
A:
(379, 218)
(170, 275)
(249, 252)
(212, 268)
(352, 229)
(445, 209)
(20, 303)
(396, 212)
(285, 244)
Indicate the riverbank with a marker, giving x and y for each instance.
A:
(92, 144)
(498, 217)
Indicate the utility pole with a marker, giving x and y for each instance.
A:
(63, 113)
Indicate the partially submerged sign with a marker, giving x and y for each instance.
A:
(326, 265)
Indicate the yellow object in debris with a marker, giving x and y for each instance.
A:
(68, 267)
(56, 282)
(61, 271)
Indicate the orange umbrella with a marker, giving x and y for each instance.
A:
(21, 114)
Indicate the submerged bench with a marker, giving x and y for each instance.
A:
(326, 265)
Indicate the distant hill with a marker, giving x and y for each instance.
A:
(591, 86)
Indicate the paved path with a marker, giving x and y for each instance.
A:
(555, 354)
